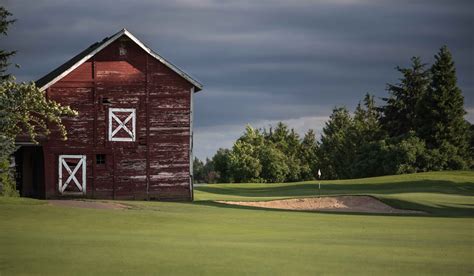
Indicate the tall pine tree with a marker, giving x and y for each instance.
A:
(401, 112)
(369, 139)
(367, 119)
(5, 55)
(442, 123)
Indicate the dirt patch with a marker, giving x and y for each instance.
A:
(88, 204)
(359, 204)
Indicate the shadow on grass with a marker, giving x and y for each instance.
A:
(308, 189)
(439, 211)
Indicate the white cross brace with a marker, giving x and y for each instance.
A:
(81, 185)
(122, 124)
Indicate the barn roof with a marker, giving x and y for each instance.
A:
(60, 72)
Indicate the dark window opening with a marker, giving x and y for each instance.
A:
(122, 51)
(100, 159)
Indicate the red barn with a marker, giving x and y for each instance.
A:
(133, 138)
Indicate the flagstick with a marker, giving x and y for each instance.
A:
(319, 188)
(319, 182)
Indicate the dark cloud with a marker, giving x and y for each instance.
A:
(260, 61)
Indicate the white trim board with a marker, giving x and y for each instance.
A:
(191, 146)
(81, 185)
(122, 124)
(139, 43)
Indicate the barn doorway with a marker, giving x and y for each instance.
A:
(29, 168)
(72, 174)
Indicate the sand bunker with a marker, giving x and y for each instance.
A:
(359, 204)
(88, 204)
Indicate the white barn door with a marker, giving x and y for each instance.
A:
(72, 174)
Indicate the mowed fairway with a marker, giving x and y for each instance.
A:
(209, 238)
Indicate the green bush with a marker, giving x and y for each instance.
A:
(7, 182)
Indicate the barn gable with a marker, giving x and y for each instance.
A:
(66, 68)
(133, 137)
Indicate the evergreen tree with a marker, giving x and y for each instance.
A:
(5, 55)
(279, 136)
(294, 162)
(367, 120)
(401, 112)
(368, 137)
(442, 122)
(308, 155)
(336, 149)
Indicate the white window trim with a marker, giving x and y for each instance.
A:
(122, 124)
(72, 173)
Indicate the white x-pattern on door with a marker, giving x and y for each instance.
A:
(79, 169)
(127, 124)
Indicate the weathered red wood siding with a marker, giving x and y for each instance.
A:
(156, 165)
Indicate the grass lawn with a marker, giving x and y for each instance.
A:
(209, 238)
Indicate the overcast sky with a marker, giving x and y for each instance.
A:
(260, 61)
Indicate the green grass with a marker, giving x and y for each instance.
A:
(209, 238)
(438, 193)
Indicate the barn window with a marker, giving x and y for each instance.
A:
(122, 50)
(100, 159)
(122, 124)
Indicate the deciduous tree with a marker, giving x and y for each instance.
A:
(222, 165)
(24, 110)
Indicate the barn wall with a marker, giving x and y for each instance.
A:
(156, 164)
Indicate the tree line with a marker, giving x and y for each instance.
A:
(419, 127)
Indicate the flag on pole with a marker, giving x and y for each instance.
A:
(319, 182)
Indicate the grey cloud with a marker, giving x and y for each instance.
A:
(259, 60)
